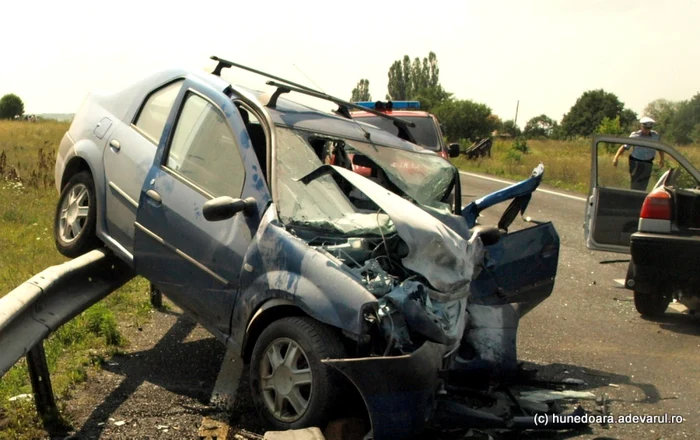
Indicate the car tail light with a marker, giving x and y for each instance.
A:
(657, 205)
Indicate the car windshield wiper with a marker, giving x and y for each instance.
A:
(315, 174)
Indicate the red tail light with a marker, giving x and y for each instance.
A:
(657, 205)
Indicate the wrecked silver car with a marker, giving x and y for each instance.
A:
(243, 208)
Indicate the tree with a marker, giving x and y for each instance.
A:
(662, 111)
(10, 106)
(418, 80)
(589, 110)
(511, 128)
(684, 127)
(539, 127)
(628, 120)
(496, 122)
(361, 91)
(465, 119)
(399, 85)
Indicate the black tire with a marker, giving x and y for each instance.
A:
(651, 304)
(85, 240)
(317, 341)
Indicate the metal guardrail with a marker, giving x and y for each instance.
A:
(42, 304)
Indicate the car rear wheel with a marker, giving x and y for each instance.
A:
(75, 217)
(651, 304)
(290, 386)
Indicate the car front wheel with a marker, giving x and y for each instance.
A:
(75, 217)
(651, 304)
(290, 386)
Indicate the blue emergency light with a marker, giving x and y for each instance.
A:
(390, 105)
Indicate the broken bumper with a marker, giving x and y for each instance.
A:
(398, 391)
(402, 398)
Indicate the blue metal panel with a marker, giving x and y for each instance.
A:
(522, 189)
(520, 268)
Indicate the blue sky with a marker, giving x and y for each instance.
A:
(543, 53)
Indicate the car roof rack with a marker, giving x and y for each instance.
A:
(290, 86)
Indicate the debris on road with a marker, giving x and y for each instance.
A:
(295, 434)
(211, 429)
(548, 395)
(247, 435)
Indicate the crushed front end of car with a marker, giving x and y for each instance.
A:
(392, 276)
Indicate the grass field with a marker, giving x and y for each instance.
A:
(567, 163)
(27, 201)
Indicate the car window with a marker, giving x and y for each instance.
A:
(637, 167)
(151, 120)
(204, 150)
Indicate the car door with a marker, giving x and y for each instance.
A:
(613, 207)
(197, 262)
(128, 156)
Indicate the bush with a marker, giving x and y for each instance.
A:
(513, 155)
(520, 146)
(100, 321)
(611, 126)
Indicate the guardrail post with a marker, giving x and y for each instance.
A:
(41, 385)
(156, 297)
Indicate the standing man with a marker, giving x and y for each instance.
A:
(641, 160)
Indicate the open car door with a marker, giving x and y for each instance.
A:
(617, 192)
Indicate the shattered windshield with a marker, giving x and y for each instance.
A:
(320, 204)
(426, 178)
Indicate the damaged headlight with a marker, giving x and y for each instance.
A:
(410, 308)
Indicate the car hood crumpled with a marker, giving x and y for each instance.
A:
(437, 252)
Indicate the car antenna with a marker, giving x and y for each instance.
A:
(307, 77)
(343, 106)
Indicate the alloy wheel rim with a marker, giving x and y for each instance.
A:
(74, 213)
(285, 380)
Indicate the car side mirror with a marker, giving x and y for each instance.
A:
(454, 150)
(225, 207)
(490, 235)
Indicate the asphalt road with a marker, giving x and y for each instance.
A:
(589, 329)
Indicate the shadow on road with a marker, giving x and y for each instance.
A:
(184, 368)
(682, 323)
(190, 368)
(593, 379)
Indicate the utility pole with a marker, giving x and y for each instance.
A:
(515, 121)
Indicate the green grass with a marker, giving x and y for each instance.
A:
(567, 164)
(27, 201)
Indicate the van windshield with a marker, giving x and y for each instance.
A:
(425, 131)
